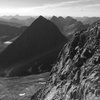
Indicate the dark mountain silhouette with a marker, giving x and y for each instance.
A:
(76, 76)
(34, 51)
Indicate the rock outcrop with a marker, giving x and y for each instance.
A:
(76, 76)
(31, 53)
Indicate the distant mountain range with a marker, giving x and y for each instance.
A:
(24, 22)
(27, 20)
(34, 51)
(87, 20)
(8, 32)
(15, 22)
(68, 25)
(37, 45)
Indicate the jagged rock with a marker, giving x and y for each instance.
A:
(76, 76)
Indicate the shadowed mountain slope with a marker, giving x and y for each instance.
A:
(76, 76)
(68, 26)
(59, 22)
(36, 48)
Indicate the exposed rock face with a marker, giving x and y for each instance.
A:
(31, 53)
(76, 76)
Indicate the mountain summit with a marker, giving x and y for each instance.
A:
(36, 48)
(76, 76)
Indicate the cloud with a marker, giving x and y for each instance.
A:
(58, 7)
(76, 3)
(93, 5)
(87, 3)
(30, 3)
(61, 4)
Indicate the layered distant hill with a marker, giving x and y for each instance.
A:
(34, 51)
(87, 20)
(8, 32)
(22, 22)
(17, 22)
(68, 25)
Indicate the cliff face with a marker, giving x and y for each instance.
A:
(76, 76)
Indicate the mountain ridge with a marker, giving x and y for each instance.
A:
(41, 37)
(68, 25)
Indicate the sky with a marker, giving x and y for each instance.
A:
(50, 7)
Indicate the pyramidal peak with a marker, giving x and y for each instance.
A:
(39, 44)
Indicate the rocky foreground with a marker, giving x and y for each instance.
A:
(76, 76)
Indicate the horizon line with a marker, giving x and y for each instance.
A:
(43, 15)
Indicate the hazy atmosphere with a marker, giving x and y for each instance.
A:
(50, 7)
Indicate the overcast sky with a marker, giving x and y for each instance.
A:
(50, 7)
